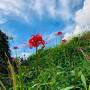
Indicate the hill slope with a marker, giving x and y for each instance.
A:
(59, 67)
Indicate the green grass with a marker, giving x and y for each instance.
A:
(64, 67)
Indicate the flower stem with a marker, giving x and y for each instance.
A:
(37, 59)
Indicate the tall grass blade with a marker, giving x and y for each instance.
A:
(12, 73)
(84, 81)
(68, 88)
(2, 85)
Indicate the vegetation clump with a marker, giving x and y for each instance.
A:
(63, 67)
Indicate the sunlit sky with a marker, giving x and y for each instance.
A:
(24, 18)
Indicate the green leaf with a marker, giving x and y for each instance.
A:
(1, 84)
(89, 87)
(68, 88)
(84, 81)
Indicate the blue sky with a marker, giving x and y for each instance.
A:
(23, 18)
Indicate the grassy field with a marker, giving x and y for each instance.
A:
(63, 67)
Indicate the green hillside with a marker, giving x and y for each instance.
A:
(66, 65)
(63, 67)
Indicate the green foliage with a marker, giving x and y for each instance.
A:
(64, 67)
(4, 46)
(4, 49)
(60, 67)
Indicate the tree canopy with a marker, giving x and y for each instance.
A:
(4, 51)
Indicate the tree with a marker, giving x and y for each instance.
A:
(4, 51)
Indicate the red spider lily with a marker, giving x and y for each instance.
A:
(15, 47)
(35, 41)
(64, 41)
(58, 33)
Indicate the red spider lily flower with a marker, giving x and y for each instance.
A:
(15, 47)
(58, 33)
(35, 41)
(64, 41)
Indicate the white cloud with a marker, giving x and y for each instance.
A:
(82, 19)
(68, 36)
(11, 8)
(80, 29)
(83, 15)
(25, 8)
(77, 31)
(68, 32)
(59, 9)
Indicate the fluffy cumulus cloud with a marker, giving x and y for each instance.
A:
(83, 15)
(82, 20)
